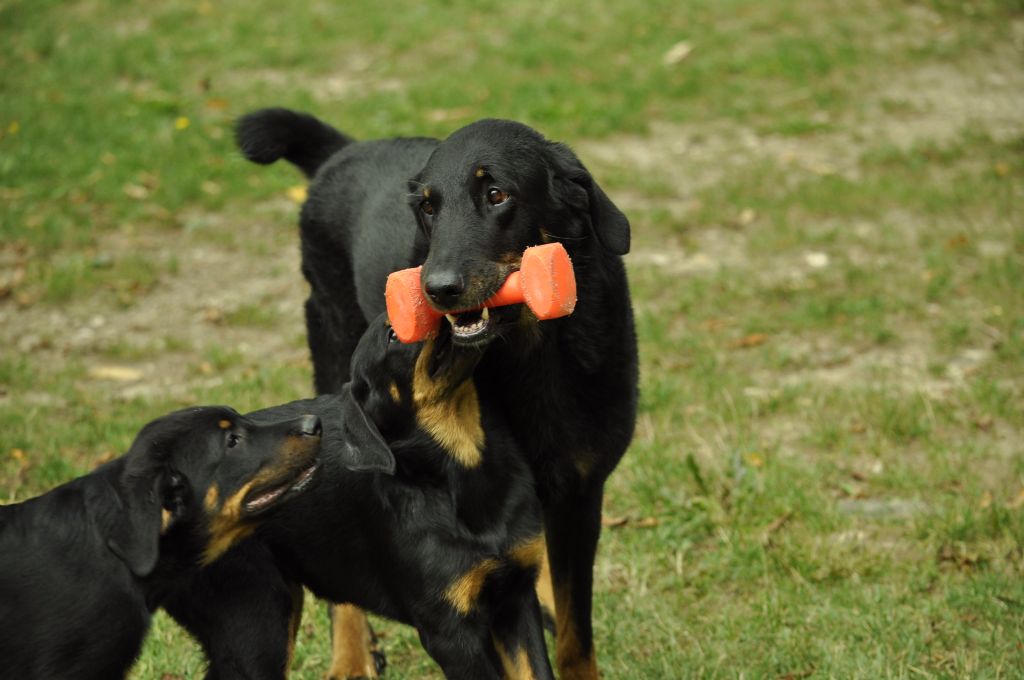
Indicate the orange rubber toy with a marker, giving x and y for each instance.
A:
(545, 282)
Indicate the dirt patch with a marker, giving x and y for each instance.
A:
(935, 102)
(157, 343)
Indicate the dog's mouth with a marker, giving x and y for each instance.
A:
(452, 359)
(477, 327)
(472, 327)
(268, 496)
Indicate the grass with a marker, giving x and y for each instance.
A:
(828, 250)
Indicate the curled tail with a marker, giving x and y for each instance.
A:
(267, 135)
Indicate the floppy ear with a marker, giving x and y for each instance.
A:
(364, 448)
(135, 536)
(610, 226)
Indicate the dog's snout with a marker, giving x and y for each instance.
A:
(310, 426)
(444, 287)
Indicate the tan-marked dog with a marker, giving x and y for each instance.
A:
(83, 566)
(464, 207)
(447, 539)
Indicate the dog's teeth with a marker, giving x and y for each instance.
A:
(485, 314)
(451, 319)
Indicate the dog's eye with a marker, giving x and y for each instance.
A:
(426, 207)
(232, 440)
(392, 336)
(496, 196)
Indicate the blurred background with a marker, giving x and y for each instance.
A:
(827, 478)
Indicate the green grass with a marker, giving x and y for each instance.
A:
(827, 266)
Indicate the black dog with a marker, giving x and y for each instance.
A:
(83, 566)
(450, 541)
(466, 208)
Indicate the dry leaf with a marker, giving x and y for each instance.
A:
(19, 455)
(677, 53)
(213, 315)
(448, 115)
(747, 217)
(816, 260)
(957, 242)
(118, 373)
(136, 191)
(11, 281)
(752, 340)
(619, 522)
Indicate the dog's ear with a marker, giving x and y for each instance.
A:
(364, 448)
(135, 535)
(608, 223)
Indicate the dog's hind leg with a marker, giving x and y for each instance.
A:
(519, 640)
(572, 525)
(334, 322)
(546, 592)
(354, 651)
(466, 652)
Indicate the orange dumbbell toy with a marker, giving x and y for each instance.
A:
(545, 282)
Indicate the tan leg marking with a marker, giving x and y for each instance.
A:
(573, 663)
(545, 591)
(517, 668)
(351, 644)
(464, 591)
(529, 553)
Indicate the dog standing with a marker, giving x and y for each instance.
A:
(83, 566)
(466, 208)
(446, 538)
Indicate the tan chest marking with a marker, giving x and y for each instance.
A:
(452, 418)
(227, 527)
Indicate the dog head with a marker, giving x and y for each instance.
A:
(211, 472)
(486, 193)
(398, 390)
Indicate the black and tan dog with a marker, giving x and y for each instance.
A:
(449, 541)
(83, 566)
(466, 208)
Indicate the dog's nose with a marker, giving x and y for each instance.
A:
(310, 425)
(444, 287)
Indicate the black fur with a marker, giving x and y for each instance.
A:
(567, 387)
(83, 566)
(393, 544)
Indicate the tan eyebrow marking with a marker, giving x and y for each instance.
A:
(224, 424)
(426, 192)
(480, 172)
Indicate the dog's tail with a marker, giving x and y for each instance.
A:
(267, 135)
